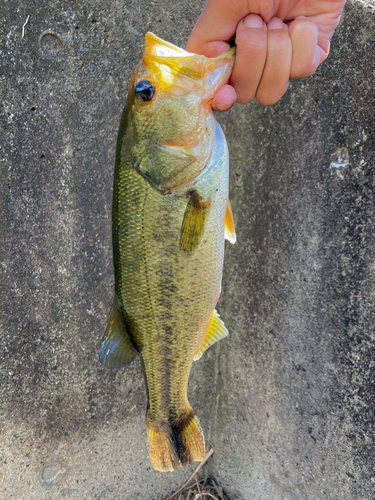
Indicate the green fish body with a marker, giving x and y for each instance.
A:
(170, 216)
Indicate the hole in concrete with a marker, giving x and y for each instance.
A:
(50, 473)
(52, 45)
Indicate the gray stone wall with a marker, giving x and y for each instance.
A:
(288, 398)
(296, 410)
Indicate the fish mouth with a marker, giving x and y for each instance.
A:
(212, 71)
(159, 47)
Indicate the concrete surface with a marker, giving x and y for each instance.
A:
(296, 376)
(288, 397)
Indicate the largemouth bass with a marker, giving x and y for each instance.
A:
(170, 216)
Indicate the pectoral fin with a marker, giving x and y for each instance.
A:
(216, 331)
(193, 223)
(230, 231)
(116, 348)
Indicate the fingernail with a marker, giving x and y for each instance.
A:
(253, 21)
(275, 24)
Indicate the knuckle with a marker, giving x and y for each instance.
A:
(279, 43)
(245, 40)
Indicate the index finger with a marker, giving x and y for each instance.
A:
(215, 27)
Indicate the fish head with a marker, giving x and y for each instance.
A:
(173, 124)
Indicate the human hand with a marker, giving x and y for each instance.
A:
(277, 40)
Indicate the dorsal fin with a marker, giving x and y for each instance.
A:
(230, 231)
(216, 331)
(116, 348)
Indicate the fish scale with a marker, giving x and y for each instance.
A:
(169, 214)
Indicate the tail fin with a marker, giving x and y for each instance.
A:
(172, 445)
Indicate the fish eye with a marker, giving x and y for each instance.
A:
(145, 90)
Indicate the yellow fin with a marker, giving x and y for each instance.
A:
(116, 348)
(161, 447)
(190, 439)
(193, 223)
(175, 443)
(230, 231)
(216, 331)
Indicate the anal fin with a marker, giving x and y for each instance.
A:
(116, 349)
(193, 223)
(216, 331)
(230, 231)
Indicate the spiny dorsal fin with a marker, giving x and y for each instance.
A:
(193, 223)
(230, 231)
(216, 331)
(116, 348)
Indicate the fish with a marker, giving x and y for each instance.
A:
(170, 217)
